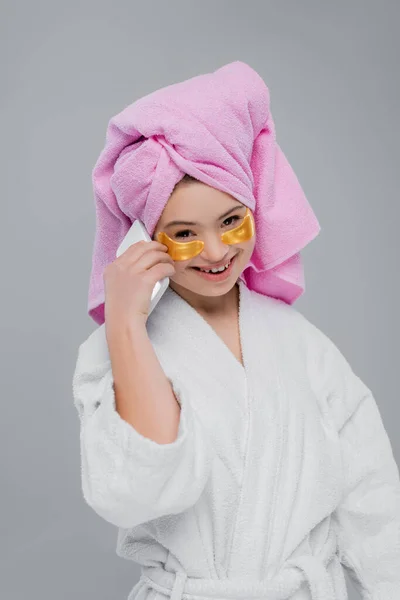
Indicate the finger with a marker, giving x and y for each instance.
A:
(141, 247)
(151, 258)
(160, 271)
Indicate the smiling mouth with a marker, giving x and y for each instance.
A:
(219, 269)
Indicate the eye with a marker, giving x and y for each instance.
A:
(235, 217)
(179, 234)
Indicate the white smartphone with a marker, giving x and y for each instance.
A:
(136, 233)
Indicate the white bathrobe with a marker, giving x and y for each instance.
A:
(282, 474)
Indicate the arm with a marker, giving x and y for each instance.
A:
(143, 395)
(129, 478)
(367, 519)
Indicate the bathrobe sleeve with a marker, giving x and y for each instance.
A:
(367, 519)
(127, 478)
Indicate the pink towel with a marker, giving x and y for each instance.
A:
(218, 128)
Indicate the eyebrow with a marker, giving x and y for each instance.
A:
(193, 223)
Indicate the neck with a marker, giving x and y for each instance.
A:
(210, 306)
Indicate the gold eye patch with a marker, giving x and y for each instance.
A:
(241, 233)
(186, 250)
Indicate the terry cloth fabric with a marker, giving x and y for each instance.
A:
(218, 128)
(281, 473)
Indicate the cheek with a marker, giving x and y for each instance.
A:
(251, 244)
(181, 267)
(248, 247)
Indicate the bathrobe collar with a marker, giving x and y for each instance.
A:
(175, 324)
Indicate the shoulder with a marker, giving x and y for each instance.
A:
(292, 325)
(328, 369)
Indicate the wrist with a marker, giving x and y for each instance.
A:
(126, 330)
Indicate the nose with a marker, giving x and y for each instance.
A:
(214, 249)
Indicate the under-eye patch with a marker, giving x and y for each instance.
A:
(186, 250)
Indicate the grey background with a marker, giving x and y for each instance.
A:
(66, 68)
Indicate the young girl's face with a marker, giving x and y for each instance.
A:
(208, 213)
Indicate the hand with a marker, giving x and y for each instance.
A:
(129, 281)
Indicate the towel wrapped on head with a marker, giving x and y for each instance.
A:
(218, 128)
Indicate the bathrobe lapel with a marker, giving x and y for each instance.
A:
(184, 340)
(196, 359)
(264, 420)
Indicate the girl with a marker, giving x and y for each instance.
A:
(224, 434)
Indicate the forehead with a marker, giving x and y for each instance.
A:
(196, 201)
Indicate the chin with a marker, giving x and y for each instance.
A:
(203, 288)
(204, 291)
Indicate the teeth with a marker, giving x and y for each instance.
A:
(219, 270)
